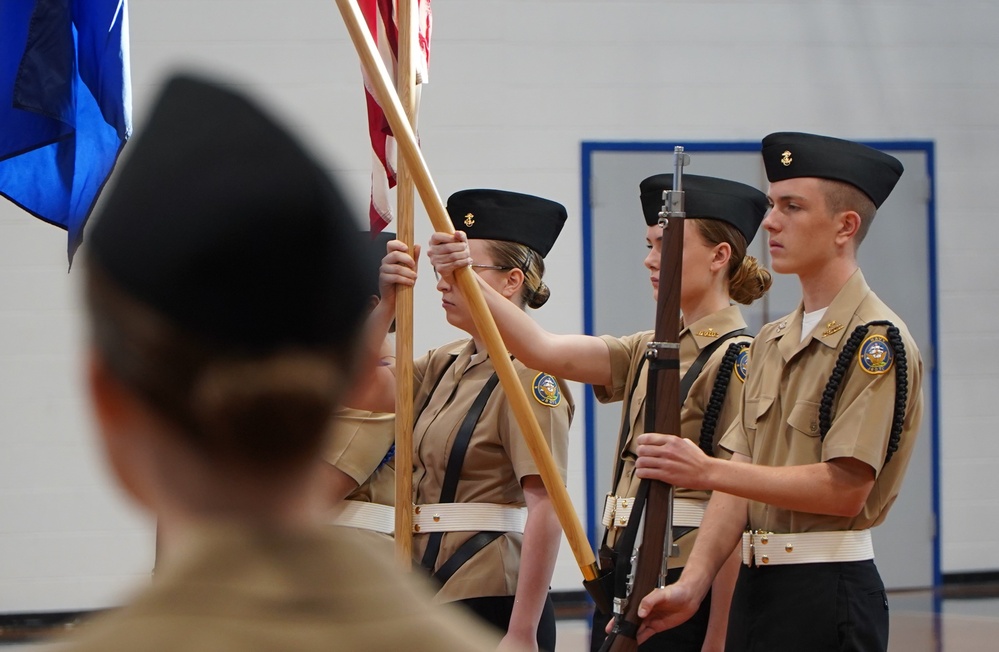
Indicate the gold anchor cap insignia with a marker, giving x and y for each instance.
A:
(469, 219)
(785, 158)
(832, 327)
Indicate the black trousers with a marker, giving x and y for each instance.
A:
(687, 637)
(834, 607)
(497, 611)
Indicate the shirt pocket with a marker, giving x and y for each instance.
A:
(756, 411)
(804, 418)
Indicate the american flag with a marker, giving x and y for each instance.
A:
(382, 20)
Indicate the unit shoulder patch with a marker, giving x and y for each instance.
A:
(741, 366)
(875, 355)
(546, 390)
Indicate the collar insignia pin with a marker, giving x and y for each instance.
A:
(708, 332)
(781, 326)
(832, 327)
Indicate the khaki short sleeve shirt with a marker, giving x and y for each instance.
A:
(359, 442)
(779, 417)
(496, 461)
(626, 356)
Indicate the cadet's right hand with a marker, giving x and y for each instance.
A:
(666, 608)
(448, 252)
(398, 268)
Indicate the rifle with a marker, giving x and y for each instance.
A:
(653, 510)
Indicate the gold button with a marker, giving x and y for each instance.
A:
(416, 528)
(765, 559)
(437, 518)
(764, 539)
(417, 509)
(789, 547)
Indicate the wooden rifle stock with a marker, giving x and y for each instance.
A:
(662, 414)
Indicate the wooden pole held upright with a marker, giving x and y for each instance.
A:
(405, 83)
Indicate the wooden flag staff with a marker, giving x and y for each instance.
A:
(408, 147)
(406, 83)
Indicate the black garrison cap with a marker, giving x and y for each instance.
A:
(740, 205)
(221, 222)
(789, 155)
(503, 215)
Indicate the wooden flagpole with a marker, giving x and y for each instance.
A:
(409, 148)
(406, 85)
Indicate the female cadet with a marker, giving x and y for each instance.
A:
(225, 292)
(473, 472)
(723, 217)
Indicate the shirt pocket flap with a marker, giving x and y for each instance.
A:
(757, 408)
(804, 418)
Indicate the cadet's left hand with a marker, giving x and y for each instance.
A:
(673, 460)
(448, 252)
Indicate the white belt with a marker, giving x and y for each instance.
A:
(367, 516)
(468, 517)
(439, 517)
(687, 512)
(769, 549)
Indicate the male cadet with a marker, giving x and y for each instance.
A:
(826, 427)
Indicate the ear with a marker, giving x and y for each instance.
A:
(848, 225)
(720, 256)
(106, 393)
(116, 428)
(514, 281)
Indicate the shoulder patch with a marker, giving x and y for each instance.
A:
(741, 365)
(875, 355)
(546, 390)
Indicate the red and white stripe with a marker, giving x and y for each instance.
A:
(381, 17)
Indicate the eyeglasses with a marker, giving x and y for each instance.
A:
(497, 267)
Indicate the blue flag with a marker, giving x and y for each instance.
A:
(65, 105)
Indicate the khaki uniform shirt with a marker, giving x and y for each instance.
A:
(496, 461)
(358, 445)
(236, 588)
(626, 354)
(779, 420)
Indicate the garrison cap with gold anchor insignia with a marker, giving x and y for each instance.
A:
(486, 214)
(790, 155)
(736, 203)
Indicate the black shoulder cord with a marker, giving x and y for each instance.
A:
(709, 423)
(841, 368)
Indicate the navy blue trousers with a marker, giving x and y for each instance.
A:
(831, 607)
